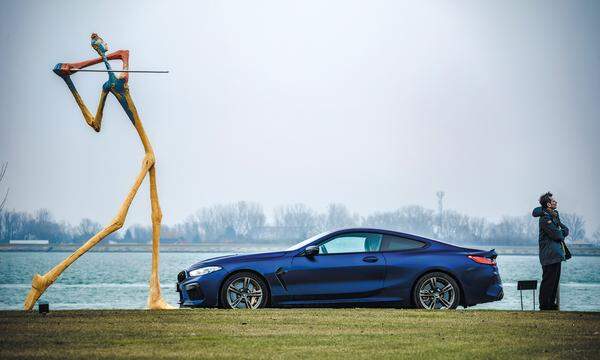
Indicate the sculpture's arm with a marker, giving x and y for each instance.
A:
(122, 55)
(93, 121)
(66, 70)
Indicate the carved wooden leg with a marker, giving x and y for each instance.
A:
(155, 299)
(40, 283)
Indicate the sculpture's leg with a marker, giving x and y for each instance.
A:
(155, 299)
(40, 283)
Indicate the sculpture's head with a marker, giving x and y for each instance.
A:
(99, 45)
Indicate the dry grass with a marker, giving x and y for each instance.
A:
(299, 333)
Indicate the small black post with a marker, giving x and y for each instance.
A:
(527, 285)
(43, 307)
(521, 291)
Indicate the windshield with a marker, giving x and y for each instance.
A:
(306, 242)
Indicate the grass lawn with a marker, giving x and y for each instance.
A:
(299, 334)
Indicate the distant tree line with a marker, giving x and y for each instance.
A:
(246, 222)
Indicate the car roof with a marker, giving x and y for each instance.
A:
(381, 231)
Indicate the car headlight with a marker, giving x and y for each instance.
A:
(204, 270)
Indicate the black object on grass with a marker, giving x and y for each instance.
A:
(43, 307)
(527, 285)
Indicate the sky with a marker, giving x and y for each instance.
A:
(374, 104)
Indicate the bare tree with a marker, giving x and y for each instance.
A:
(14, 225)
(230, 221)
(141, 234)
(214, 221)
(86, 229)
(383, 219)
(417, 220)
(44, 227)
(596, 237)
(455, 226)
(409, 219)
(248, 218)
(296, 220)
(576, 225)
(190, 229)
(477, 230)
(3, 168)
(512, 230)
(338, 216)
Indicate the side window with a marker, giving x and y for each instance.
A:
(352, 243)
(395, 243)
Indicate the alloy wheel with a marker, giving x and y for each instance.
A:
(244, 293)
(437, 293)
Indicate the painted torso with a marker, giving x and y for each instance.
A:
(118, 87)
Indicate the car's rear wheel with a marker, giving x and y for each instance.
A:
(244, 290)
(436, 290)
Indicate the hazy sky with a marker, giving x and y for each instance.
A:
(375, 104)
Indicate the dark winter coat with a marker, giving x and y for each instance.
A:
(552, 237)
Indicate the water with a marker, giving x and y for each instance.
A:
(120, 280)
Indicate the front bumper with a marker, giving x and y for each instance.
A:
(199, 291)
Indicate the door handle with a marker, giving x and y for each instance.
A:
(370, 259)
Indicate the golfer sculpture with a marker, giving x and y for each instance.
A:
(117, 85)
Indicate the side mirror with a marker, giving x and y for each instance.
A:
(311, 251)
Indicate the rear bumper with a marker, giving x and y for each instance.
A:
(493, 293)
(482, 284)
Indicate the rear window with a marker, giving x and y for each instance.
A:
(396, 243)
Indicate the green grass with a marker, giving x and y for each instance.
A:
(299, 334)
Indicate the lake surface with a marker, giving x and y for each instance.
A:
(120, 280)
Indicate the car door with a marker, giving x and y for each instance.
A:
(405, 260)
(348, 266)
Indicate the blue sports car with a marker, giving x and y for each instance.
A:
(357, 267)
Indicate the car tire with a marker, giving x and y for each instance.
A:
(244, 290)
(436, 291)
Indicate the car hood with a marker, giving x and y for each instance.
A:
(237, 258)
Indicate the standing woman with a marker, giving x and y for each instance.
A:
(553, 250)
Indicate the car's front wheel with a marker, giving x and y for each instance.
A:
(244, 290)
(436, 290)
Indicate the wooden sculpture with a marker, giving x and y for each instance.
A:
(117, 85)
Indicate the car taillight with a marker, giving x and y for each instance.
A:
(482, 260)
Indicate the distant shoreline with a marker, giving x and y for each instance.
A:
(247, 248)
(206, 248)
